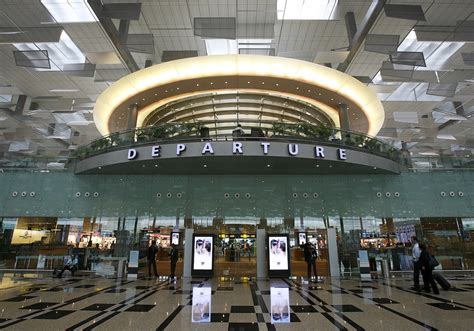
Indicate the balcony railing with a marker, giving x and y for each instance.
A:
(304, 132)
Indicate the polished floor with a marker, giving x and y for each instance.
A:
(92, 303)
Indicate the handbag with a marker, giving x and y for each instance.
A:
(433, 262)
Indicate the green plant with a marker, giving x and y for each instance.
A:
(323, 132)
(279, 129)
(115, 139)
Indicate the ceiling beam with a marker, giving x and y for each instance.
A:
(369, 20)
(114, 36)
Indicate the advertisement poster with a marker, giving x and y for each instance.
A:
(175, 238)
(203, 246)
(280, 305)
(278, 257)
(201, 311)
(302, 238)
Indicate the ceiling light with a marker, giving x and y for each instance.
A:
(205, 166)
(225, 82)
(197, 84)
(177, 88)
(70, 11)
(306, 9)
(221, 46)
(268, 166)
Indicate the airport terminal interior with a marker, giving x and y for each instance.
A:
(236, 164)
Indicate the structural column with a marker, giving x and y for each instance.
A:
(132, 116)
(261, 254)
(333, 254)
(188, 251)
(344, 117)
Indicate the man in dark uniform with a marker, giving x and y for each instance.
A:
(152, 250)
(310, 256)
(174, 259)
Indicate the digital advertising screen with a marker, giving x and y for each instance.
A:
(201, 311)
(302, 238)
(278, 255)
(203, 255)
(280, 305)
(175, 238)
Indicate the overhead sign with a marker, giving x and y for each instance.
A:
(271, 156)
(236, 147)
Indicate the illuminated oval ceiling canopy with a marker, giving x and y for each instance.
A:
(323, 87)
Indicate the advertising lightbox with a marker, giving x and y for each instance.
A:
(203, 255)
(278, 256)
(302, 238)
(175, 238)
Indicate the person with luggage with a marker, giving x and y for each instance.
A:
(416, 263)
(151, 256)
(426, 265)
(437, 277)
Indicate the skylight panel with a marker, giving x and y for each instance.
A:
(70, 11)
(306, 9)
(221, 46)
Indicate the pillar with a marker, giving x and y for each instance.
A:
(188, 251)
(132, 116)
(344, 117)
(261, 254)
(333, 254)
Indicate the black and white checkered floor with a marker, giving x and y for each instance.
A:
(102, 304)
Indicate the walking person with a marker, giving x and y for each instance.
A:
(427, 270)
(151, 256)
(310, 256)
(173, 259)
(416, 263)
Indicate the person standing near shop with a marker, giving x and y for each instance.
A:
(416, 262)
(152, 250)
(310, 256)
(173, 259)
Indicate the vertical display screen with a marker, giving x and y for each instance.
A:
(302, 238)
(280, 305)
(201, 311)
(175, 238)
(278, 252)
(202, 252)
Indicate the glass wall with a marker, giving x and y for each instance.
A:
(104, 240)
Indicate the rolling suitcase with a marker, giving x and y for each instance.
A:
(442, 281)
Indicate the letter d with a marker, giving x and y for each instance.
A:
(132, 153)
